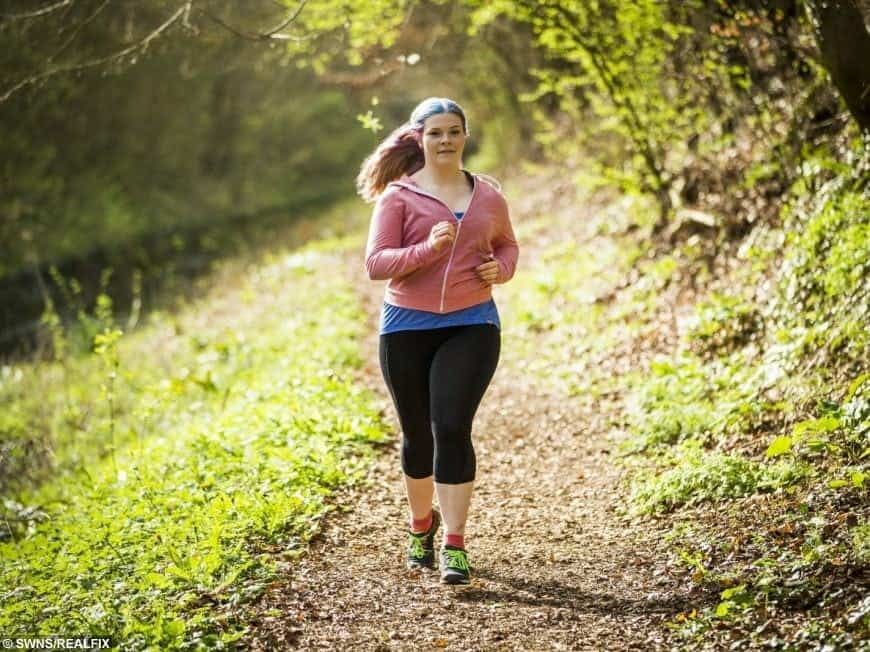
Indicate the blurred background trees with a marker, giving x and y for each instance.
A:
(135, 132)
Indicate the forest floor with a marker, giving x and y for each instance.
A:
(554, 565)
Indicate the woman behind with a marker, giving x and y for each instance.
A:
(442, 236)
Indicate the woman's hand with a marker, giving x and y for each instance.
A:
(488, 271)
(442, 234)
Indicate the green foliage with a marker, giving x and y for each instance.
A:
(723, 323)
(736, 597)
(349, 32)
(78, 335)
(861, 542)
(234, 132)
(683, 399)
(696, 476)
(612, 61)
(201, 449)
(370, 122)
(766, 395)
(823, 283)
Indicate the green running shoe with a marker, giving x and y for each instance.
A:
(421, 547)
(454, 565)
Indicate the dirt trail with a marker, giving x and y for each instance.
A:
(553, 567)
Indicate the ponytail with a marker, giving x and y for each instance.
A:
(399, 153)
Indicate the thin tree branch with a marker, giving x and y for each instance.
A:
(289, 20)
(38, 12)
(272, 34)
(78, 28)
(631, 114)
(141, 45)
(232, 30)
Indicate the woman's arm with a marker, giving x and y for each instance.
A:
(505, 249)
(386, 258)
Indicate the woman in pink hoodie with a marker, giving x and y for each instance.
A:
(442, 237)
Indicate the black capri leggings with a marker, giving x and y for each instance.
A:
(437, 378)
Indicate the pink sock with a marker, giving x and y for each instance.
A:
(422, 524)
(457, 540)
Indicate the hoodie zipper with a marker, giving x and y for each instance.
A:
(450, 260)
(416, 189)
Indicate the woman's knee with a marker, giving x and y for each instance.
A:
(417, 455)
(455, 461)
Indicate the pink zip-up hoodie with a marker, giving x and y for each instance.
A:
(444, 280)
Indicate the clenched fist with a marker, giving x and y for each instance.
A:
(488, 271)
(442, 234)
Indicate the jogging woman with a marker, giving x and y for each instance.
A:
(442, 237)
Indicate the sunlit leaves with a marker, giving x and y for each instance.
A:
(346, 30)
(779, 446)
(619, 56)
(370, 121)
(234, 446)
(733, 598)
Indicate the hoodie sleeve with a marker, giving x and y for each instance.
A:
(386, 258)
(505, 248)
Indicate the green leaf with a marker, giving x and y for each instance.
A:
(370, 121)
(174, 628)
(825, 424)
(158, 580)
(728, 594)
(778, 446)
(855, 385)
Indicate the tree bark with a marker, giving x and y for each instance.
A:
(844, 42)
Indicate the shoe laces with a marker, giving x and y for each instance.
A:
(457, 559)
(416, 545)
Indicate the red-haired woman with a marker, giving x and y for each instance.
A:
(442, 237)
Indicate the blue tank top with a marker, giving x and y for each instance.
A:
(397, 318)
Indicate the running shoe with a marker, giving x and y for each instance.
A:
(454, 565)
(421, 546)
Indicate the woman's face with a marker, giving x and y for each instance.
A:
(443, 140)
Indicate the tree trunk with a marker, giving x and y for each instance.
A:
(844, 41)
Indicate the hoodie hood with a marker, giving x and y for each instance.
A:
(405, 181)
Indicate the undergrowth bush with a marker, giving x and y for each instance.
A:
(767, 396)
(696, 476)
(204, 449)
(724, 322)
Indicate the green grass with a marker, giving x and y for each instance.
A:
(180, 462)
